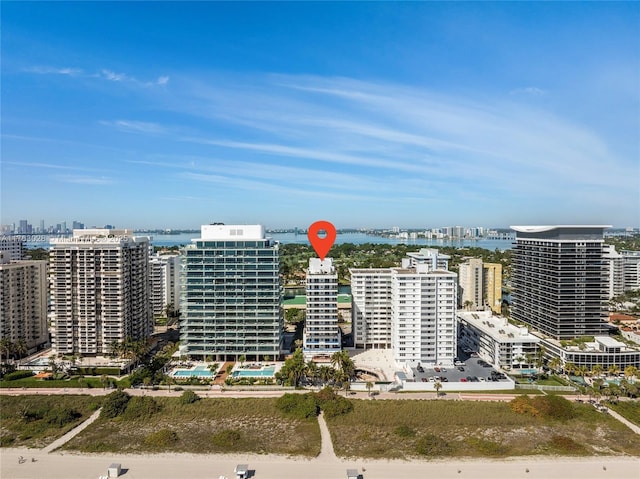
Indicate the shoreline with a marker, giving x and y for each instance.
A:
(71, 465)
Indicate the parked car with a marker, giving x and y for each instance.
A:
(463, 380)
(460, 368)
(436, 369)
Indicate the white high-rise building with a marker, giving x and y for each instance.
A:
(423, 315)
(14, 245)
(410, 309)
(99, 291)
(431, 257)
(23, 303)
(321, 333)
(615, 270)
(631, 268)
(165, 282)
(470, 282)
(371, 307)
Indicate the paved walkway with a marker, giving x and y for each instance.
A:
(624, 421)
(71, 434)
(327, 454)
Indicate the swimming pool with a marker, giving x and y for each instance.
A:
(197, 372)
(265, 372)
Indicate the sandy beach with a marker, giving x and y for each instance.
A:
(176, 466)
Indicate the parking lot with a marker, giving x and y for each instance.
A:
(469, 369)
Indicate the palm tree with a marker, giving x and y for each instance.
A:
(437, 386)
(168, 380)
(555, 364)
(529, 359)
(53, 364)
(630, 372)
(20, 348)
(344, 362)
(6, 348)
(369, 386)
(582, 372)
(115, 349)
(312, 372)
(540, 356)
(613, 370)
(570, 368)
(325, 373)
(597, 370)
(467, 305)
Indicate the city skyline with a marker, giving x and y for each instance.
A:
(153, 115)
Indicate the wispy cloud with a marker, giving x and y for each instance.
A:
(39, 165)
(401, 133)
(531, 90)
(55, 71)
(135, 126)
(103, 74)
(84, 180)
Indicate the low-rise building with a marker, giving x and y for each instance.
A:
(603, 350)
(500, 343)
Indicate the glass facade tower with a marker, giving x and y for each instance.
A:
(231, 296)
(560, 280)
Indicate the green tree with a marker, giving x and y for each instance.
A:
(6, 348)
(597, 370)
(20, 348)
(630, 372)
(294, 315)
(540, 353)
(437, 386)
(293, 370)
(613, 370)
(369, 387)
(555, 364)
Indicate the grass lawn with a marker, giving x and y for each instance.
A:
(87, 382)
(408, 429)
(206, 426)
(35, 421)
(630, 410)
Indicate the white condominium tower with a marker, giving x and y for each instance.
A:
(23, 303)
(231, 299)
(99, 291)
(371, 307)
(623, 270)
(410, 309)
(560, 280)
(321, 333)
(165, 282)
(423, 315)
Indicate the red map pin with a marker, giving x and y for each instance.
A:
(321, 245)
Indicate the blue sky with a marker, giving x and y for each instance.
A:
(364, 114)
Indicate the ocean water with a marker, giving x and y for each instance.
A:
(288, 238)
